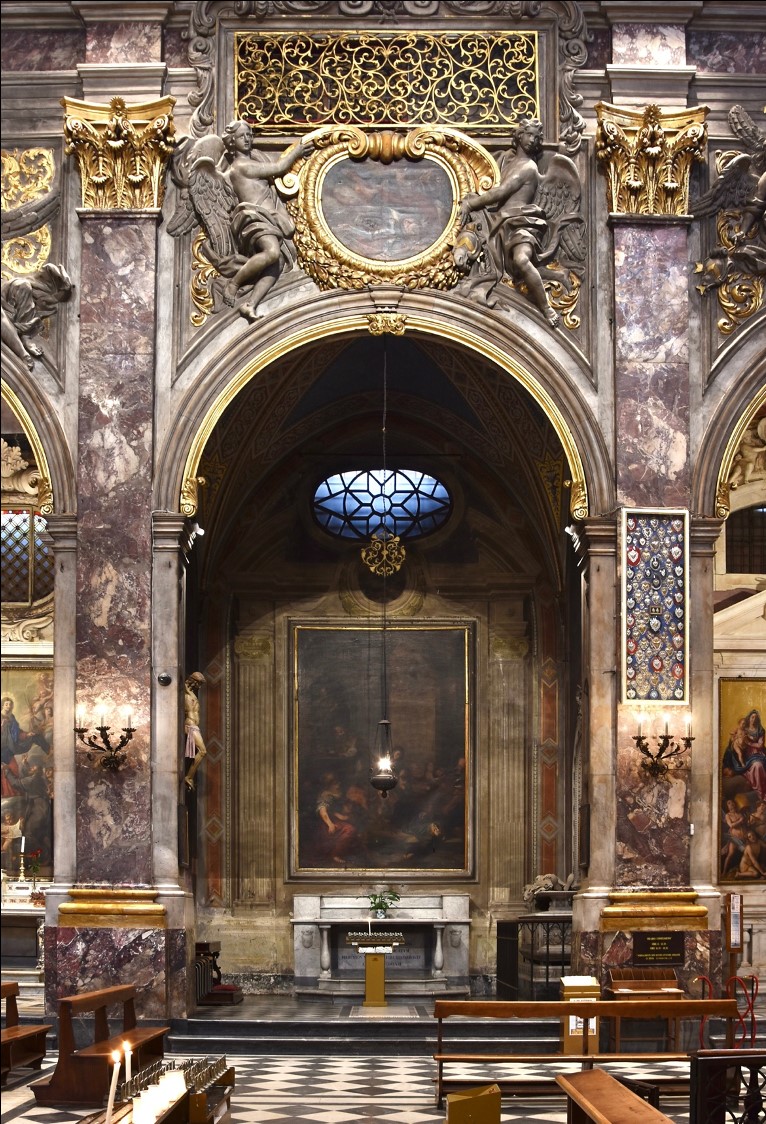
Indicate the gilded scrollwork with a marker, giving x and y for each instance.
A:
(190, 495)
(736, 266)
(122, 151)
(646, 156)
(330, 262)
(29, 204)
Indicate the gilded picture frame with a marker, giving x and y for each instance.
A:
(742, 781)
(27, 769)
(339, 823)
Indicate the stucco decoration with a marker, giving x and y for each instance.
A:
(736, 267)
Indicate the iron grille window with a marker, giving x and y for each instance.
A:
(746, 541)
(27, 571)
(361, 503)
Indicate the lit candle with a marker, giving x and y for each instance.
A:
(128, 1060)
(79, 719)
(113, 1086)
(23, 842)
(689, 726)
(128, 718)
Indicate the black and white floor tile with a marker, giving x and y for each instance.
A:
(341, 1090)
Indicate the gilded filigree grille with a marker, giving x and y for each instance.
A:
(27, 175)
(476, 81)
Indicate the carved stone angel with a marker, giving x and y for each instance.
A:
(27, 302)
(741, 190)
(531, 217)
(227, 188)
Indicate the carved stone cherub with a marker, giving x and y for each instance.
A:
(530, 218)
(741, 190)
(227, 188)
(27, 302)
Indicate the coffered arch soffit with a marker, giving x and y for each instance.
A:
(547, 367)
(57, 486)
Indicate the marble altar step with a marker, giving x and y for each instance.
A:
(31, 988)
(351, 1029)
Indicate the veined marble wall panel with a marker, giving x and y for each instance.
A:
(254, 738)
(87, 959)
(652, 364)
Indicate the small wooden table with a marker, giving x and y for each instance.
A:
(375, 947)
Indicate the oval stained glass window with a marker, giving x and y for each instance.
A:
(361, 503)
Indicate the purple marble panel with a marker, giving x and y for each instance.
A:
(42, 50)
(124, 42)
(727, 52)
(617, 951)
(114, 554)
(599, 48)
(640, 44)
(175, 49)
(651, 356)
(181, 979)
(89, 959)
(652, 830)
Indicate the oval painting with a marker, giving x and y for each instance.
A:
(387, 212)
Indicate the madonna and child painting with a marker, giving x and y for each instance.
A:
(743, 780)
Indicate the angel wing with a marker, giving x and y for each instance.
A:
(205, 197)
(30, 216)
(731, 191)
(558, 197)
(753, 138)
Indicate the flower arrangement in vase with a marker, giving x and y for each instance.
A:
(381, 901)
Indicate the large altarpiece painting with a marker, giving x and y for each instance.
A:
(339, 822)
(742, 793)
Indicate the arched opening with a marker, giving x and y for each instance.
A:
(496, 588)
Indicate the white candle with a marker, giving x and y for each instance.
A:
(369, 925)
(128, 1060)
(666, 724)
(23, 842)
(113, 1086)
(101, 718)
(79, 719)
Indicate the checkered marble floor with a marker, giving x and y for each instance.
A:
(343, 1090)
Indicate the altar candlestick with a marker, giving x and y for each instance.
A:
(128, 1060)
(113, 1086)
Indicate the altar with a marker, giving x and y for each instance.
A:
(433, 960)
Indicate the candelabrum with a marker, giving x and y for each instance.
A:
(109, 756)
(668, 747)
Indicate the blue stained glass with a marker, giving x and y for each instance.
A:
(361, 503)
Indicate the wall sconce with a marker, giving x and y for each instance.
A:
(668, 746)
(111, 756)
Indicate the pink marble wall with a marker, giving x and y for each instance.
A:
(114, 552)
(727, 52)
(124, 42)
(42, 50)
(651, 356)
(637, 44)
(87, 959)
(652, 830)
(593, 953)
(175, 47)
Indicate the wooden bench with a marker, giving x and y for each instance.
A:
(595, 1095)
(579, 1008)
(21, 1045)
(82, 1075)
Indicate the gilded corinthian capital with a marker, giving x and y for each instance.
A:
(646, 155)
(122, 151)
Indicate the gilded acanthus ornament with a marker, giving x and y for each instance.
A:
(392, 323)
(646, 156)
(736, 267)
(384, 554)
(122, 151)
(190, 495)
(29, 204)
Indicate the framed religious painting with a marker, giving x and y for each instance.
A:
(742, 788)
(26, 713)
(339, 822)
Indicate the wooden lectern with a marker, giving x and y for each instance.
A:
(375, 947)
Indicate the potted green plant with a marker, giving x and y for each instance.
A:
(382, 900)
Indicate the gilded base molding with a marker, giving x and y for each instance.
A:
(112, 909)
(674, 910)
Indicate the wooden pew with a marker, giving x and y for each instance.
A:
(580, 1008)
(82, 1076)
(593, 1095)
(21, 1045)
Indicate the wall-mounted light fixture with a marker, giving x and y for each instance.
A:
(99, 744)
(657, 762)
